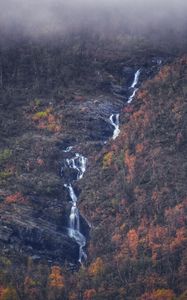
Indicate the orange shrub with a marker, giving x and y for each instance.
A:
(47, 120)
(107, 159)
(133, 241)
(89, 294)
(139, 148)
(129, 161)
(161, 294)
(96, 267)
(56, 279)
(16, 198)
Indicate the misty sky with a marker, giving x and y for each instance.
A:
(42, 16)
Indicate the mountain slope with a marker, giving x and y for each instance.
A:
(134, 189)
(136, 195)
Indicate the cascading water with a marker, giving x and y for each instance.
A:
(71, 192)
(68, 149)
(114, 120)
(133, 86)
(132, 96)
(78, 163)
(81, 163)
(136, 77)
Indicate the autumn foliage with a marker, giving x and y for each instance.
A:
(56, 279)
(96, 268)
(135, 198)
(161, 294)
(89, 294)
(129, 161)
(139, 207)
(16, 198)
(47, 120)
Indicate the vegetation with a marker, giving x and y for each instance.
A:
(142, 240)
(135, 195)
(5, 155)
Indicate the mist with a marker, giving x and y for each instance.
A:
(50, 17)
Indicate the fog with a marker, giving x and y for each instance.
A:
(44, 17)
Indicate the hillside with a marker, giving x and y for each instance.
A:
(137, 196)
(56, 103)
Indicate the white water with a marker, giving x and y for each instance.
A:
(81, 241)
(74, 222)
(71, 192)
(81, 162)
(136, 78)
(133, 86)
(78, 162)
(68, 149)
(132, 96)
(114, 120)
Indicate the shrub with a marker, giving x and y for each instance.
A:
(42, 114)
(107, 159)
(5, 174)
(5, 154)
(16, 198)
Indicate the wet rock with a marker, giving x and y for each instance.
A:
(67, 174)
(99, 129)
(37, 237)
(67, 142)
(84, 227)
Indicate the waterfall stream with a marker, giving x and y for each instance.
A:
(114, 118)
(78, 163)
(136, 78)
(68, 149)
(133, 86)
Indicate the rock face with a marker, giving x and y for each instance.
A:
(23, 232)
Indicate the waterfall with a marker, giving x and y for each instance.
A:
(68, 149)
(78, 163)
(74, 223)
(71, 192)
(133, 86)
(132, 96)
(136, 77)
(81, 165)
(114, 120)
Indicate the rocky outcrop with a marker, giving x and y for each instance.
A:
(24, 232)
